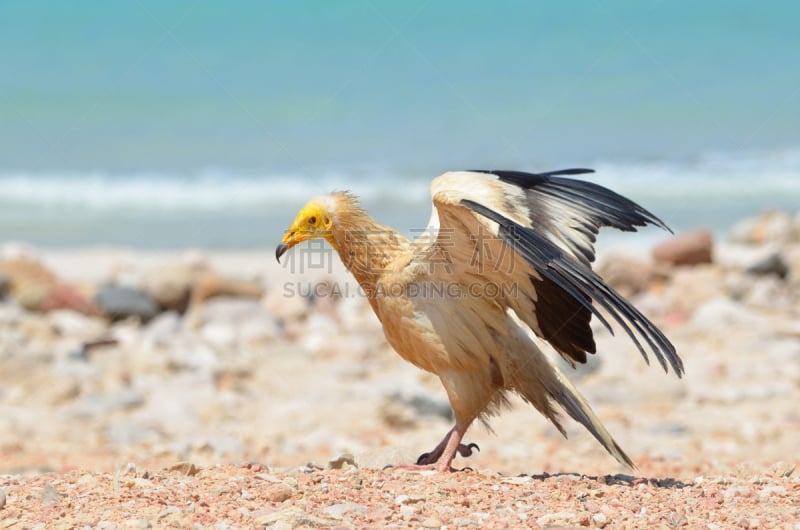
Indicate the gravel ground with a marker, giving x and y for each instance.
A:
(249, 495)
(147, 427)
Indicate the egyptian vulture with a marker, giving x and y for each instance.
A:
(505, 253)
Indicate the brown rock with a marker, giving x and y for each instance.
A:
(690, 248)
(341, 461)
(62, 296)
(23, 270)
(36, 288)
(279, 492)
(185, 468)
(627, 275)
(28, 281)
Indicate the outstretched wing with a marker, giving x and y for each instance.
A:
(570, 212)
(530, 237)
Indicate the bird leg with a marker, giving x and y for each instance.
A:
(432, 457)
(443, 454)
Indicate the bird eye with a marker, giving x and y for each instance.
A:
(312, 220)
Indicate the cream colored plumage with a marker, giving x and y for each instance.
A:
(505, 254)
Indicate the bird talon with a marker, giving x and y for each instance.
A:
(465, 450)
(424, 459)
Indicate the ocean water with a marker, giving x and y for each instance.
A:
(161, 124)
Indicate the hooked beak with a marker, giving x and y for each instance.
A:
(281, 250)
(292, 237)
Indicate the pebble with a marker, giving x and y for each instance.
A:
(782, 469)
(161, 329)
(66, 297)
(340, 509)
(269, 478)
(599, 519)
(279, 492)
(72, 324)
(772, 264)
(555, 518)
(409, 499)
(87, 481)
(50, 495)
(626, 274)
(738, 491)
(119, 303)
(691, 248)
(770, 491)
(431, 522)
(220, 334)
(771, 226)
(185, 468)
(342, 460)
(2, 497)
(170, 285)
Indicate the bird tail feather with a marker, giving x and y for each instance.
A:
(565, 394)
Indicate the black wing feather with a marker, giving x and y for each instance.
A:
(582, 284)
(606, 207)
(592, 207)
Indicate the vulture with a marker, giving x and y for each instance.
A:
(504, 263)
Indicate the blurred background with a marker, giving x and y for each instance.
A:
(157, 124)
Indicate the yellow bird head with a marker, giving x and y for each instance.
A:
(314, 220)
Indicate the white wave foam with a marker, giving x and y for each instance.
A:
(713, 178)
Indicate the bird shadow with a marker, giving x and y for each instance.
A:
(619, 479)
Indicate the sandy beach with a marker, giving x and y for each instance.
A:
(255, 404)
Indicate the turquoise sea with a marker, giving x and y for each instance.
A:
(160, 123)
